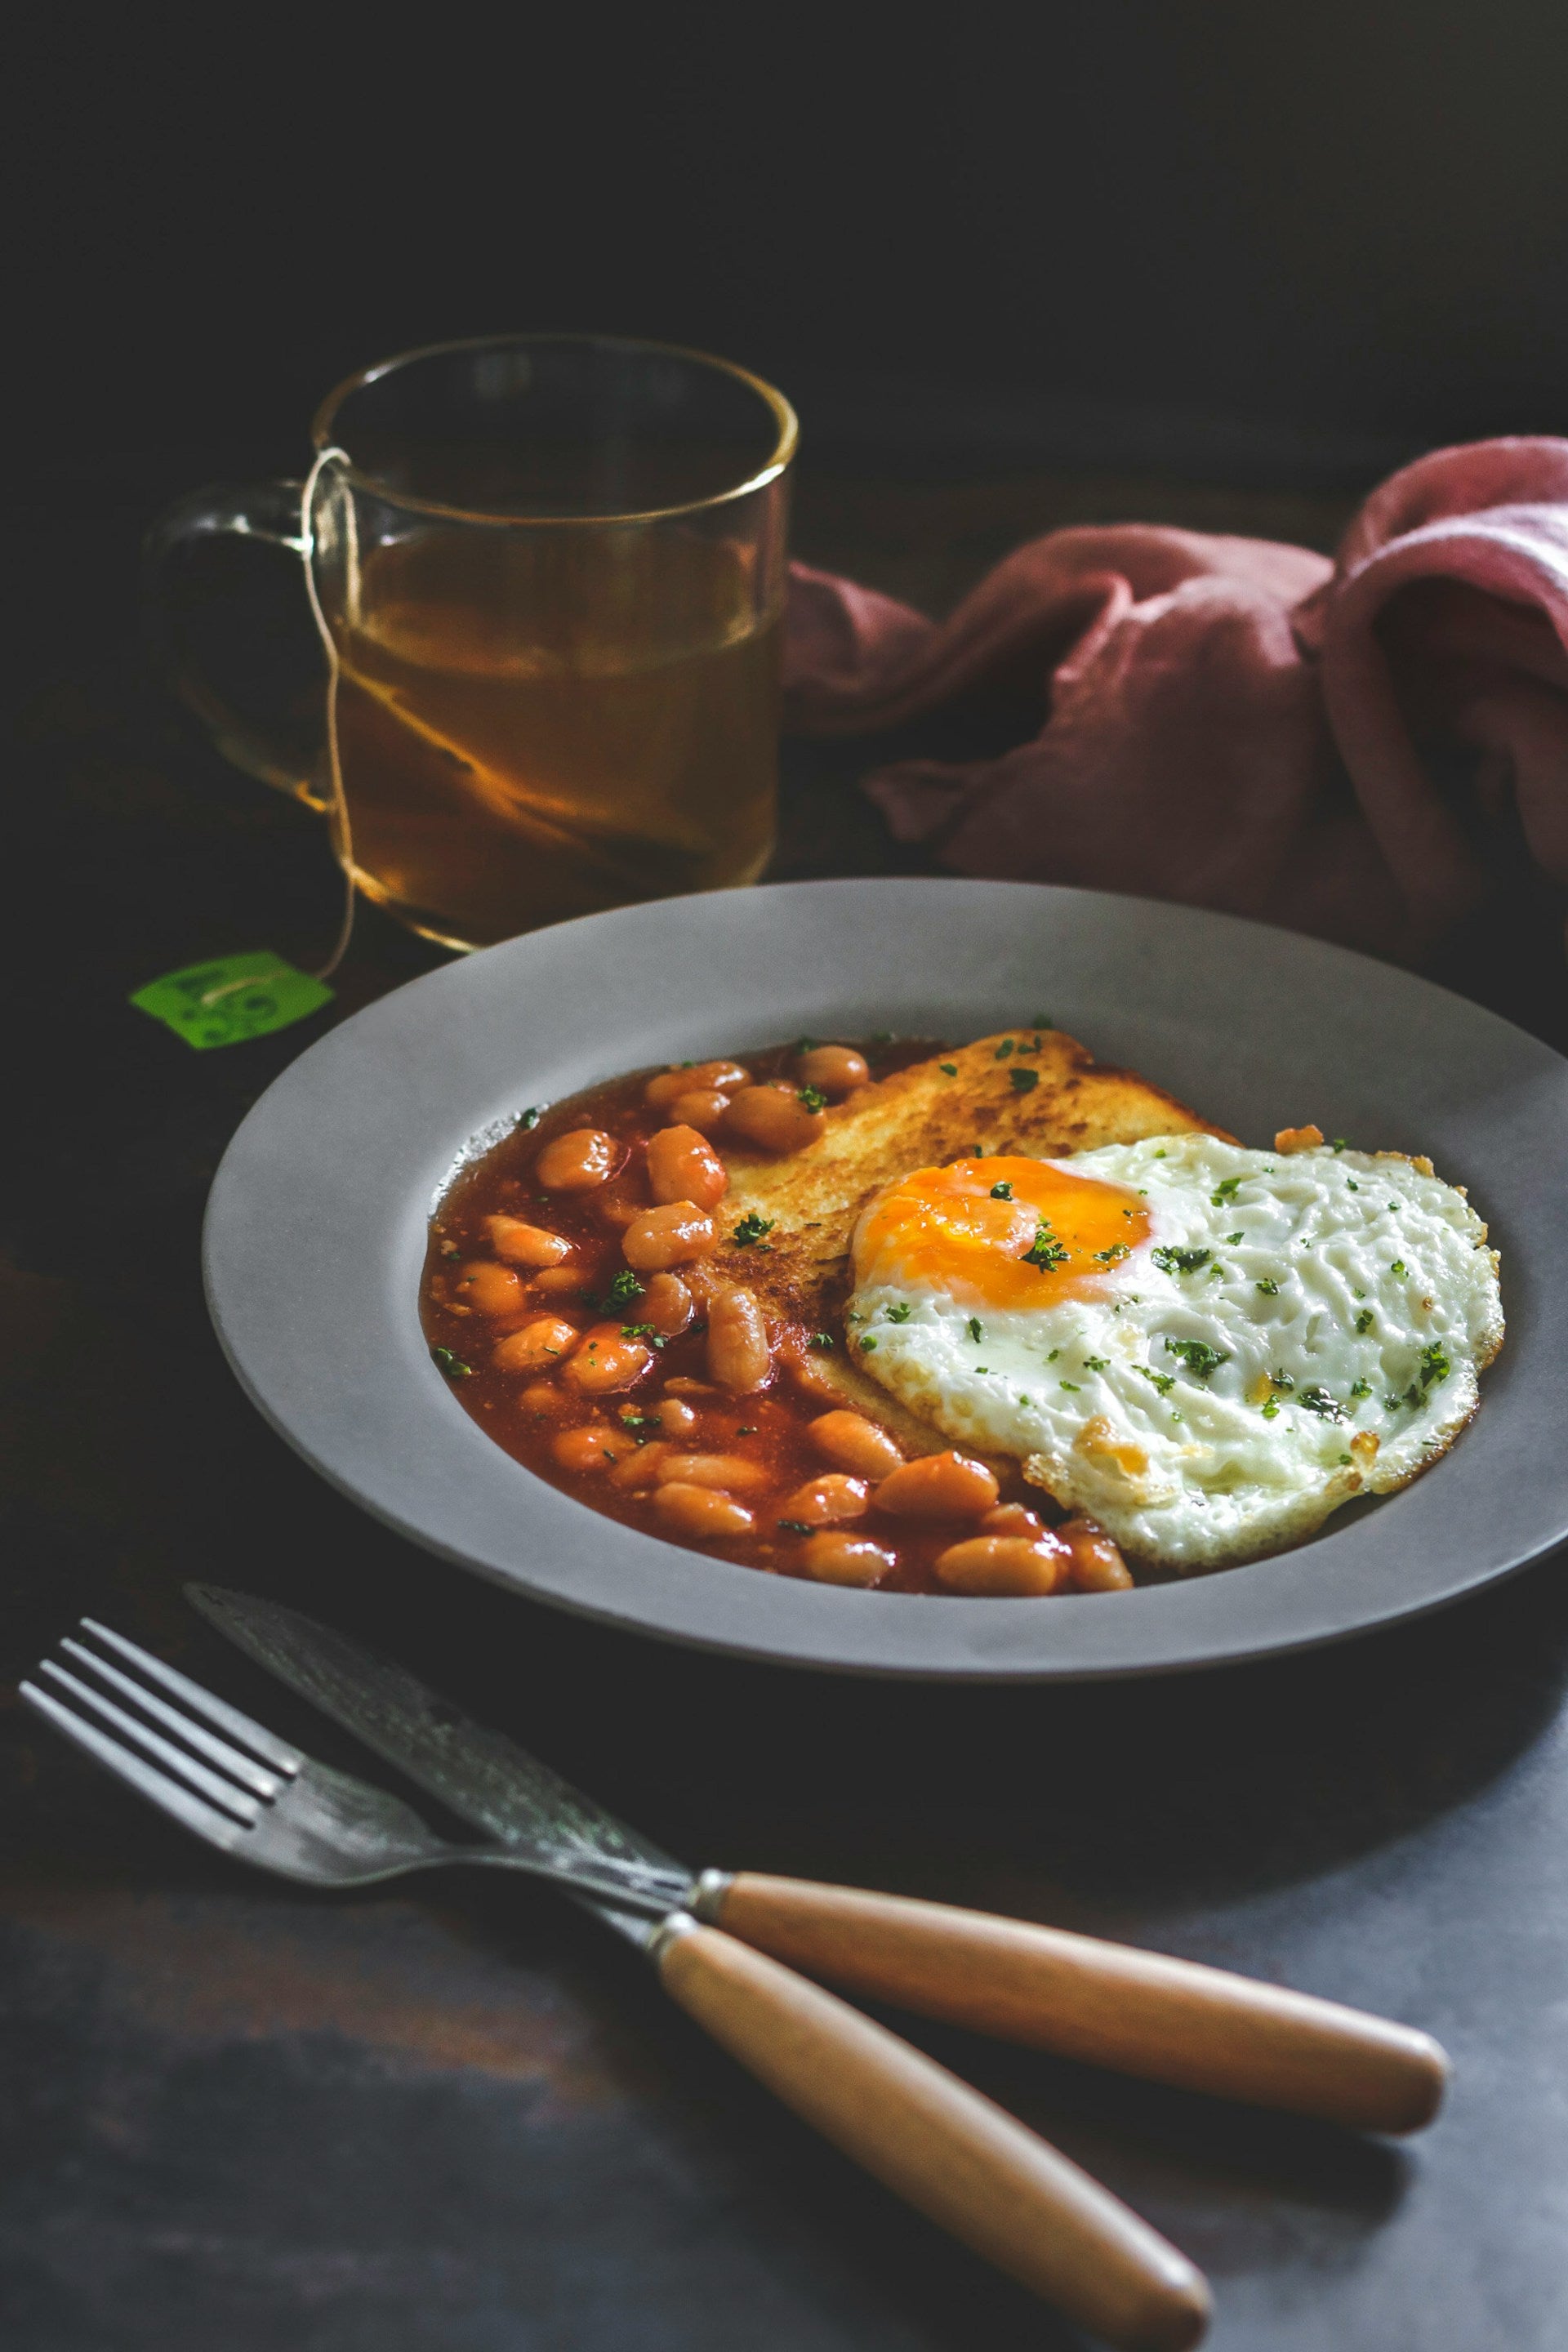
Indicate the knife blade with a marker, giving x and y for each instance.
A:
(480, 1774)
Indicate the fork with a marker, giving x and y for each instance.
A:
(951, 2152)
(257, 1798)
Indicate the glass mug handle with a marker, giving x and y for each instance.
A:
(272, 513)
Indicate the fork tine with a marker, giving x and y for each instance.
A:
(174, 1760)
(232, 1761)
(217, 1828)
(251, 1735)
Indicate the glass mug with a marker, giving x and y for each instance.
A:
(549, 575)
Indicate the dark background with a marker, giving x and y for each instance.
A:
(1218, 266)
(1231, 235)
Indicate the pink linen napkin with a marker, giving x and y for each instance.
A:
(1374, 749)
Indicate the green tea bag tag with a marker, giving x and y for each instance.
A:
(231, 999)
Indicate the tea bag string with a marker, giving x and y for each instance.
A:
(338, 810)
(338, 813)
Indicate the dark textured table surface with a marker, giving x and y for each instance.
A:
(455, 2117)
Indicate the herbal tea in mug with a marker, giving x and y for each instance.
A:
(550, 572)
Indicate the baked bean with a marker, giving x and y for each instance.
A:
(823, 1502)
(543, 1398)
(675, 1417)
(694, 1077)
(810, 1371)
(592, 1446)
(701, 1513)
(1014, 1519)
(833, 1070)
(1096, 1565)
(704, 1107)
(666, 1304)
(670, 1235)
(739, 1356)
(493, 1289)
(856, 1444)
(639, 1468)
(773, 1118)
(1003, 1564)
(835, 1559)
(579, 1162)
(682, 1167)
(557, 1281)
(939, 1487)
(683, 1385)
(537, 1347)
(617, 1209)
(604, 1361)
(731, 1472)
(522, 1244)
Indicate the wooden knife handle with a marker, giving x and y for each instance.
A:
(936, 2142)
(1143, 2013)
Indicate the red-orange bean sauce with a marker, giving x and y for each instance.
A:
(609, 1448)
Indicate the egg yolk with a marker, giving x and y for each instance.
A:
(999, 1233)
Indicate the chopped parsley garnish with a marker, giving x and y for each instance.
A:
(823, 1340)
(1182, 1261)
(1269, 1287)
(1054, 1354)
(1023, 1081)
(1163, 1381)
(1001, 1191)
(529, 1117)
(1200, 1358)
(1361, 1388)
(899, 1314)
(975, 1333)
(1337, 1144)
(798, 1526)
(1393, 1403)
(624, 1292)
(1046, 1250)
(453, 1366)
(1393, 1208)
(982, 1368)
(1364, 1321)
(1271, 1409)
(1232, 1240)
(1110, 1256)
(1398, 1266)
(1434, 1364)
(1319, 1400)
(1071, 1386)
(948, 1069)
(1002, 1050)
(1226, 1190)
(648, 1331)
(752, 1229)
(636, 1425)
(750, 1430)
(807, 1044)
(1282, 1379)
(1160, 1155)
(1350, 1184)
(1094, 1363)
(868, 1347)
(811, 1098)
(1344, 1461)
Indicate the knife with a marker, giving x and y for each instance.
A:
(1143, 2013)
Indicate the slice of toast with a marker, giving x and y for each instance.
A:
(1036, 1093)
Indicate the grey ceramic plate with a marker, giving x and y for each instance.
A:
(316, 1234)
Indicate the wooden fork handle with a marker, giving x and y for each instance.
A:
(1143, 2013)
(952, 2153)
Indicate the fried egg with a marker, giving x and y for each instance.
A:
(1207, 1349)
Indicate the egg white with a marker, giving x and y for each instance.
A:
(1196, 1472)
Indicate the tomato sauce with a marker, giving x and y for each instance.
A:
(614, 1448)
